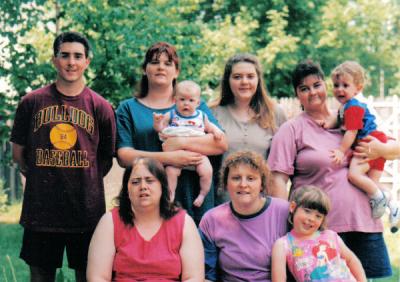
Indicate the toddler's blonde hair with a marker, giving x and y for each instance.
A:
(352, 68)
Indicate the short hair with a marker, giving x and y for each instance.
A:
(70, 36)
(156, 50)
(250, 158)
(352, 68)
(304, 69)
(167, 208)
(311, 197)
(262, 105)
(188, 83)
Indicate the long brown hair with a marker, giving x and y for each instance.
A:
(262, 105)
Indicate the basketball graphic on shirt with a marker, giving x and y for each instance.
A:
(63, 136)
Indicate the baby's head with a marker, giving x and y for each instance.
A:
(187, 97)
(309, 206)
(348, 80)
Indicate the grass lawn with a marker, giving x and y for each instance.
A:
(12, 266)
(13, 269)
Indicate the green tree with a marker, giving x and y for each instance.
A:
(223, 39)
(20, 66)
(205, 32)
(282, 33)
(365, 31)
(280, 54)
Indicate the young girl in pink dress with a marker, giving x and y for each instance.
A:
(311, 252)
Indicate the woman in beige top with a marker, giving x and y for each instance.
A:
(244, 110)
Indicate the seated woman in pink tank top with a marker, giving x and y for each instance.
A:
(145, 238)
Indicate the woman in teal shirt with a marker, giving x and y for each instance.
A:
(137, 138)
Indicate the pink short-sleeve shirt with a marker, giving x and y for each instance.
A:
(301, 149)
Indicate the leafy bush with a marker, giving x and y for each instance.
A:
(3, 197)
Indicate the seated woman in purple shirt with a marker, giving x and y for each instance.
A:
(300, 151)
(238, 236)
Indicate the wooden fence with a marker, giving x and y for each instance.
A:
(387, 111)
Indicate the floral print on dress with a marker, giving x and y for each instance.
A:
(317, 259)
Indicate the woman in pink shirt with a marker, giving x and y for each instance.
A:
(300, 152)
(145, 238)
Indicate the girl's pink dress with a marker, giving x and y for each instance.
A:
(317, 259)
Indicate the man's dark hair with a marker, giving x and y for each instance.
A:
(70, 36)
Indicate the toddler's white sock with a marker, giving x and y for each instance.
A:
(393, 206)
(378, 195)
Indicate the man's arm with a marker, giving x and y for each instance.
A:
(18, 157)
(107, 142)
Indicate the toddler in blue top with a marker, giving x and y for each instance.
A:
(358, 122)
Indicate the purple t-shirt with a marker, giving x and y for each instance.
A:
(243, 244)
(301, 149)
(69, 145)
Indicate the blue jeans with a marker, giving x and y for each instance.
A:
(370, 248)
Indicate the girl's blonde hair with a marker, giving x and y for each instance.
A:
(352, 68)
(310, 197)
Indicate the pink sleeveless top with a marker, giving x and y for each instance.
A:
(317, 259)
(156, 260)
